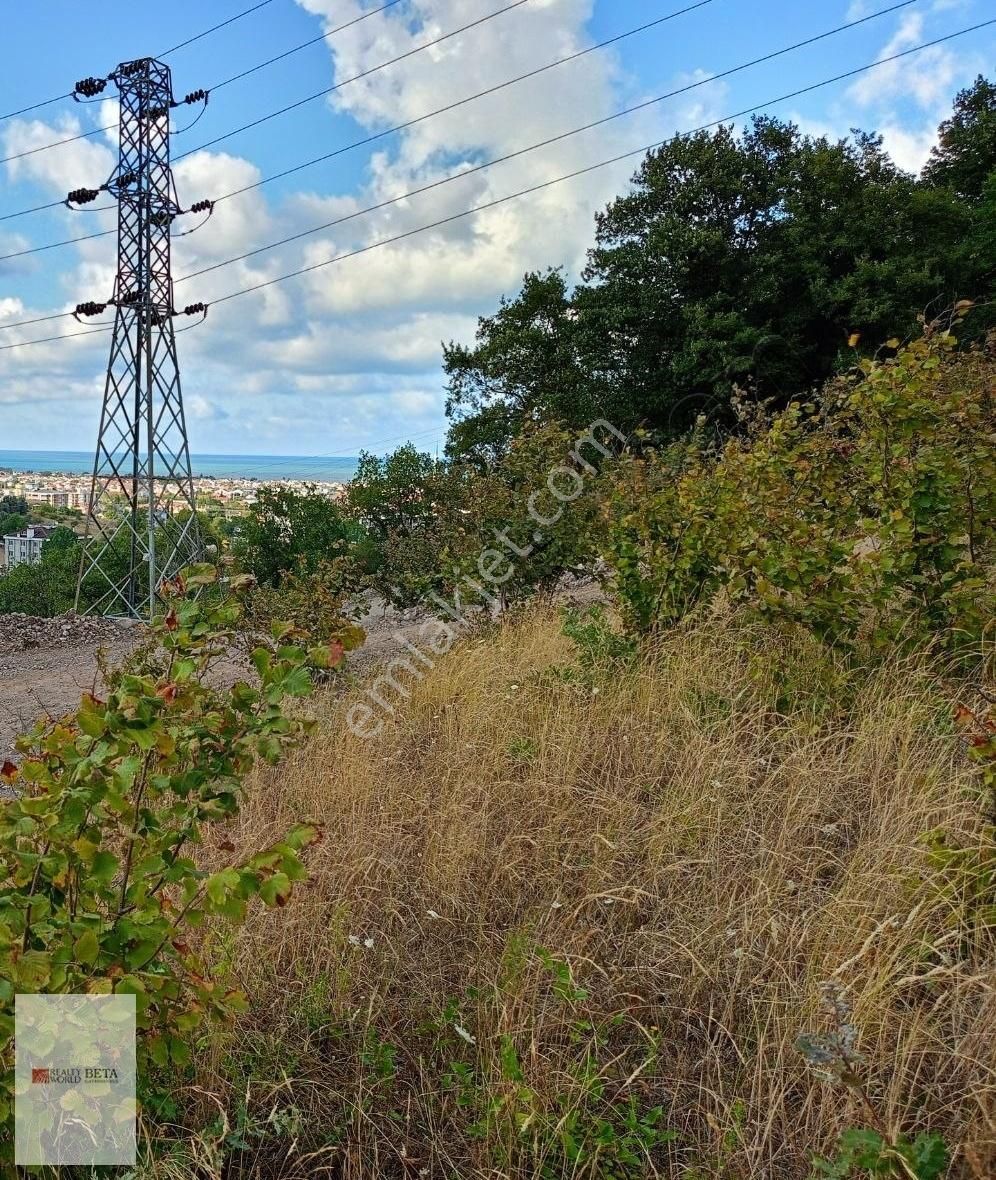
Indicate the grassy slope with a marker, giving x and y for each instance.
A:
(697, 845)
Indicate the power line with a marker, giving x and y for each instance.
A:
(377, 443)
(522, 151)
(190, 40)
(48, 339)
(42, 319)
(603, 163)
(33, 209)
(36, 106)
(58, 143)
(568, 176)
(305, 44)
(513, 81)
(103, 233)
(533, 73)
(214, 28)
(228, 135)
(366, 74)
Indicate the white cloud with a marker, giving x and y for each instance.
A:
(70, 165)
(352, 350)
(905, 100)
(926, 77)
(909, 148)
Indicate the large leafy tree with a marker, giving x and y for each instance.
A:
(527, 364)
(743, 260)
(965, 156)
(964, 163)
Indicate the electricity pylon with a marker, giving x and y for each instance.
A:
(141, 526)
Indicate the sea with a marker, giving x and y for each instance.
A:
(319, 468)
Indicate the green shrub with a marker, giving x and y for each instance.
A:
(287, 531)
(100, 890)
(45, 587)
(317, 606)
(867, 518)
(490, 534)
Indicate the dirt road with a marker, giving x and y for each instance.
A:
(48, 680)
(46, 664)
(46, 677)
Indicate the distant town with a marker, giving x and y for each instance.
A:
(35, 503)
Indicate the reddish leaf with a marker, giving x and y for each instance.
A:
(8, 771)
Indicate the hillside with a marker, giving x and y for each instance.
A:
(605, 791)
(572, 912)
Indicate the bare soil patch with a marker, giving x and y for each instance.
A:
(45, 664)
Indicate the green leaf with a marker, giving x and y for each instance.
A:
(302, 835)
(276, 889)
(930, 1156)
(220, 885)
(179, 1051)
(103, 867)
(32, 971)
(158, 1050)
(201, 574)
(91, 718)
(87, 947)
(297, 683)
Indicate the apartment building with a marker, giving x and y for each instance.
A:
(53, 496)
(25, 547)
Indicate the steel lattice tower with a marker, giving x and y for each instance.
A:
(141, 523)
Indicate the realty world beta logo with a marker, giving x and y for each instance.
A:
(73, 1076)
(75, 1072)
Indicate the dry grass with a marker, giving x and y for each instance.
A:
(701, 843)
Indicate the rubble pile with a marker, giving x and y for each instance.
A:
(20, 632)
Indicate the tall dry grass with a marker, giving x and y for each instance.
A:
(592, 896)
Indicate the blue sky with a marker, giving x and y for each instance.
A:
(349, 357)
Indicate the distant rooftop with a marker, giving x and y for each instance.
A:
(34, 532)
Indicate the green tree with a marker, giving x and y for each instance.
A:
(965, 156)
(394, 493)
(533, 516)
(743, 260)
(525, 363)
(12, 522)
(46, 587)
(287, 530)
(412, 506)
(751, 260)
